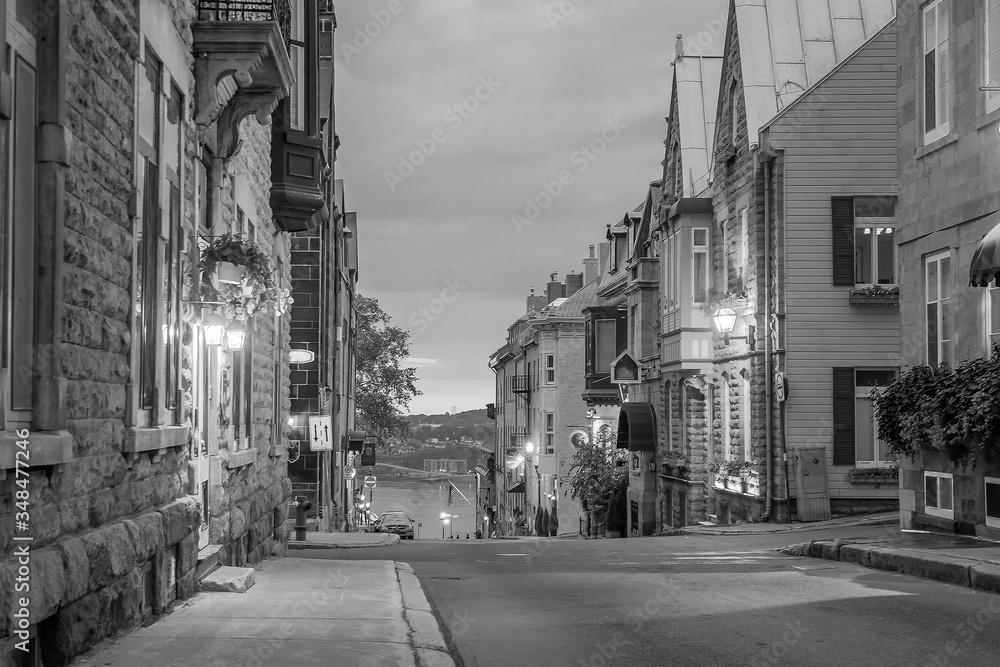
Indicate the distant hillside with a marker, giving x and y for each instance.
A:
(470, 424)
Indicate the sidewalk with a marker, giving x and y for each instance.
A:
(299, 612)
(965, 561)
(880, 519)
(316, 540)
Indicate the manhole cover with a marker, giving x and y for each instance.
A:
(812, 567)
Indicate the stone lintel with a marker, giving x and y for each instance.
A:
(44, 448)
(244, 457)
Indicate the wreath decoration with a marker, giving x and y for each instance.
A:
(255, 291)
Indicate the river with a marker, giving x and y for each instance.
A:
(424, 501)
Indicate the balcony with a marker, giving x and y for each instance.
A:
(521, 385)
(241, 67)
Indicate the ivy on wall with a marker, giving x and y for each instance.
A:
(954, 410)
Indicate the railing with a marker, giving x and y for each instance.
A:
(238, 10)
(520, 384)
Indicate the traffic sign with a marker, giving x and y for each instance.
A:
(321, 433)
(370, 481)
(350, 472)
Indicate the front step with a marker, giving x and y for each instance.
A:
(227, 579)
(208, 560)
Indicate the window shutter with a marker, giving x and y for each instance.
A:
(843, 416)
(843, 240)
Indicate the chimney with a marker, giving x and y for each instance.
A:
(574, 282)
(535, 303)
(679, 47)
(554, 289)
(589, 267)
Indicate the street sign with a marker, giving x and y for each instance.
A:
(370, 481)
(350, 472)
(780, 387)
(321, 433)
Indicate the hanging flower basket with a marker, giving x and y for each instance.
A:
(254, 290)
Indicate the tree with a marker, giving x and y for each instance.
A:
(599, 468)
(384, 386)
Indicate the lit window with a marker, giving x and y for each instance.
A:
(936, 28)
(874, 240)
(937, 273)
(939, 497)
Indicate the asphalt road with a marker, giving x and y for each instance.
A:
(693, 600)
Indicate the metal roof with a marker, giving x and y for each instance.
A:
(786, 46)
(696, 81)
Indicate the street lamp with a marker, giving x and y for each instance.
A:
(529, 447)
(725, 321)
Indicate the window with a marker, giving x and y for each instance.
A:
(297, 56)
(869, 450)
(727, 444)
(992, 55)
(157, 232)
(744, 267)
(936, 28)
(550, 369)
(17, 232)
(992, 501)
(242, 388)
(874, 242)
(733, 115)
(937, 272)
(550, 433)
(938, 494)
(606, 345)
(699, 265)
(746, 416)
(992, 318)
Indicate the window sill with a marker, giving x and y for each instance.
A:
(988, 118)
(157, 439)
(45, 448)
(927, 149)
(241, 459)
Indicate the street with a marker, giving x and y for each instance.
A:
(688, 600)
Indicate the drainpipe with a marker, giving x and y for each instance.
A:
(768, 372)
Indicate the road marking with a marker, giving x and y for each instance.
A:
(525, 555)
(812, 567)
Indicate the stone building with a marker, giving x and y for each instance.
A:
(949, 195)
(133, 140)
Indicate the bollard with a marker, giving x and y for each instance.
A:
(301, 524)
(466, 536)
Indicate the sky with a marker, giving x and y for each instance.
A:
(485, 144)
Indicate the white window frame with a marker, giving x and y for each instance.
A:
(941, 512)
(941, 49)
(700, 249)
(550, 433)
(865, 392)
(550, 368)
(944, 346)
(991, 521)
(879, 226)
(991, 77)
(989, 334)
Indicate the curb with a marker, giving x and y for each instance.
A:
(426, 639)
(968, 572)
(295, 544)
(788, 528)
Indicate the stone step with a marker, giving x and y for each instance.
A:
(208, 559)
(228, 579)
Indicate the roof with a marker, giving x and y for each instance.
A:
(794, 44)
(696, 82)
(585, 296)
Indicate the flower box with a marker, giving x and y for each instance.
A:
(875, 476)
(875, 300)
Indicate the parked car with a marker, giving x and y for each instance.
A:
(395, 522)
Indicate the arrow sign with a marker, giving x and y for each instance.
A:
(320, 428)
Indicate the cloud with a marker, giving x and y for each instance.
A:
(417, 362)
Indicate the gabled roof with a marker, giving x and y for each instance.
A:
(789, 45)
(696, 84)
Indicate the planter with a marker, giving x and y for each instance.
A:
(874, 299)
(230, 273)
(874, 476)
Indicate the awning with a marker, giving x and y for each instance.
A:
(637, 427)
(986, 262)
(517, 488)
(480, 470)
